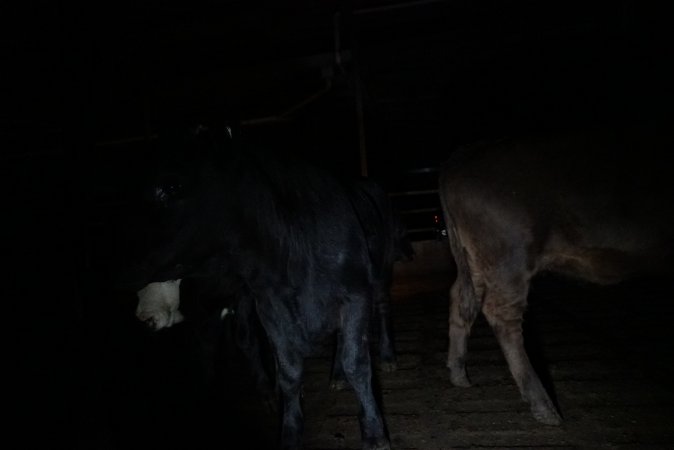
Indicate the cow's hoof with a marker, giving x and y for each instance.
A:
(459, 378)
(338, 385)
(388, 366)
(546, 415)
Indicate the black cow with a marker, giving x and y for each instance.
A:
(595, 206)
(309, 249)
(159, 302)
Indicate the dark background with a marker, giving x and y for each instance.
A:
(86, 86)
(430, 73)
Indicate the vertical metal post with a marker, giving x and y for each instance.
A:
(361, 124)
(357, 85)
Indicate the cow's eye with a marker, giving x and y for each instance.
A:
(174, 188)
(160, 194)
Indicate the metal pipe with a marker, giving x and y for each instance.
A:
(128, 140)
(419, 210)
(376, 9)
(284, 115)
(422, 192)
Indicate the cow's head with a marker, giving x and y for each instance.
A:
(176, 217)
(158, 304)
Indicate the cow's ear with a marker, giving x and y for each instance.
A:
(224, 131)
(232, 132)
(168, 189)
(199, 129)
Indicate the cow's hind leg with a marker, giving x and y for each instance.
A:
(357, 366)
(290, 372)
(382, 316)
(387, 354)
(337, 377)
(504, 311)
(464, 306)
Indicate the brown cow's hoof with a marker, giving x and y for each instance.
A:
(546, 415)
(459, 378)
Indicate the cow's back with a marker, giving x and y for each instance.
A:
(595, 206)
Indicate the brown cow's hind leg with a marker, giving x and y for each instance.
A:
(504, 313)
(460, 322)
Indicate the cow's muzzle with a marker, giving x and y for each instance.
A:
(158, 304)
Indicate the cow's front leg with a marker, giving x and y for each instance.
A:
(248, 340)
(289, 352)
(504, 312)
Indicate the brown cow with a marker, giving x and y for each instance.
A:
(592, 206)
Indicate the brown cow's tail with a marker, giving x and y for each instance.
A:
(470, 304)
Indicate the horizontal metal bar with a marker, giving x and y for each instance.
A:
(423, 170)
(376, 9)
(420, 230)
(418, 210)
(128, 140)
(423, 192)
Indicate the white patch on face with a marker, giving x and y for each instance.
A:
(158, 304)
(226, 312)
